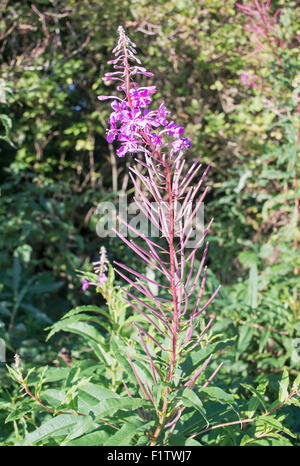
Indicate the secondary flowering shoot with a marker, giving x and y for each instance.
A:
(262, 25)
(100, 269)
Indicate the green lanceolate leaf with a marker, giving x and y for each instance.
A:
(274, 423)
(257, 394)
(84, 425)
(53, 397)
(197, 356)
(92, 439)
(92, 395)
(283, 386)
(122, 437)
(89, 308)
(18, 413)
(191, 399)
(110, 406)
(245, 337)
(7, 123)
(116, 347)
(57, 426)
(218, 394)
(74, 325)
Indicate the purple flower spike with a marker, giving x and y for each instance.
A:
(263, 27)
(131, 121)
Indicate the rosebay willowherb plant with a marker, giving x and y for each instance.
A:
(262, 24)
(170, 201)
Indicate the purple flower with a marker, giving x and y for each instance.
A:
(118, 116)
(122, 151)
(132, 122)
(249, 80)
(128, 145)
(161, 115)
(119, 106)
(132, 119)
(112, 133)
(85, 284)
(244, 78)
(140, 98)
(102, 278)
(157, 140)
(181, 143)
(140, 70)
(174, 130)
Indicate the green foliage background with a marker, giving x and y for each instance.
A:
(56, 166)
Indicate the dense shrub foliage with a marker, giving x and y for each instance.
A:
(228, 73)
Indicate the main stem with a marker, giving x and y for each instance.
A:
(172, 266)
(163, 414)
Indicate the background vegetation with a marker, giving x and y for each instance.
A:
(241, 111)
